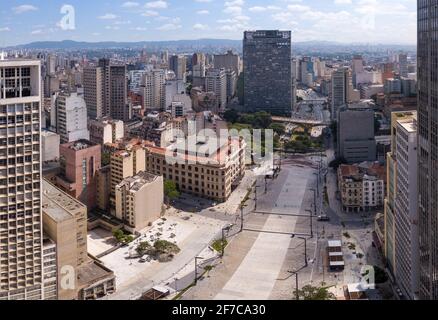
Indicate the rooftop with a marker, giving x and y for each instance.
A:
(92, 272)
(57, 204)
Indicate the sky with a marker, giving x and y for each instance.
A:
(358, 21)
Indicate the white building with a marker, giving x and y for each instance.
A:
(21, 259)
(136, 80)
(153, 90)
(406, 242)
(69, 117)
(50, 142)
(216, 81)
(106, 131)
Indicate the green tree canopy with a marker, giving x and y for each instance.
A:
(315, 293)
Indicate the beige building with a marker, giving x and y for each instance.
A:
(139, 200)
(127, 160)
(210, 175)
(50, 271)
(78, 275)
(106, 131)
(362, 186)
(103, 188)
(65, 222)
(94, 91)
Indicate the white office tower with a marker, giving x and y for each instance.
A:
(406, 244)
(21, 272)
(69, 117)
(216, 81)
(153, 90)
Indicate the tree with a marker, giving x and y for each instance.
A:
(315, 293)
(278, 128)
(231, 116)
(143, 248)
(121, 237)
(170, 190)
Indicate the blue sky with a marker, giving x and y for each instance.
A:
(371, 21)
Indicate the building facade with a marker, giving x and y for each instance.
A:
(427, 55)
(211, 177)
(267, 64)
(69, 117)
(21, 237)
(139, 200)
(80, 161)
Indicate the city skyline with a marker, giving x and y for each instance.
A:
(345, 21)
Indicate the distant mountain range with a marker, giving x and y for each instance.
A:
(182, 45)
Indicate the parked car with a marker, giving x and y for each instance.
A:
(323, 218)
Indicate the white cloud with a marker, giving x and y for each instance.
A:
(24, 8)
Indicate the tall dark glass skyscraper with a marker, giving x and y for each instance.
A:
(267, 67)
(428, 146)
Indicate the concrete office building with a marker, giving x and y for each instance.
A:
(153, 90)
(228, 61)
(69, 117)
(106, 131)
(65, 223)
(427, 54)
(50, 272)
(105, 91)
(21, 269)
(127, 160)
(267, 67)
(403, 64)
(339, 92)
(231, 84)
(178, 64)
(356, 140)
(80, 162)
(402, 206)
(210, 175)
(216, 81)
(94, 91)
(139, 200)
(50, 142)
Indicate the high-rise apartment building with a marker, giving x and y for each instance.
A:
(339, 92)
(356, 141)
(178, 64)
(153, 90)
(93, 92)
(21, 265)
(403, 64)
(401, 205)
(105, 91)
(267, 64)
(216, 81)
(228, 61)
(69, 117)
(427, 55)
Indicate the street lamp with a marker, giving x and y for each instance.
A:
(305, 249)
(255, 199)
(196, 268)
(223, 239)
(314, 199)
(297, 297)
(311, 222)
